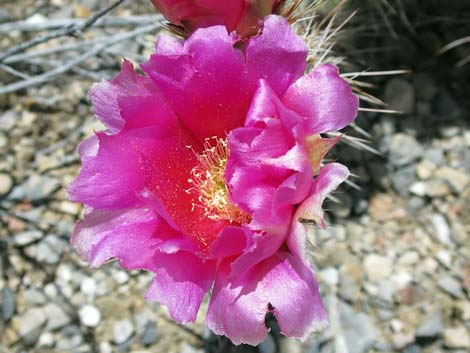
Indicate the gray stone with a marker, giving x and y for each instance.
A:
(123, 330)
(400, 95)
(403, 179)
(404, 149)
(8, 303)
(6, 184)
(434, 155)
(50, 249)
(29, 324)
(359, 330)
(150, 335)
(35, 188)
(5, 16)
(34, 297)
(451, 286)
(68, 343)
(56, 317)
(414, 348)
(348, 289)
(431, 327)
(8, 120)
(28, 237)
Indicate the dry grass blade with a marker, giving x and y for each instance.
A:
(68, 31)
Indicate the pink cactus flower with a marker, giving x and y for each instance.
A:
(207, 167)
(237, 15)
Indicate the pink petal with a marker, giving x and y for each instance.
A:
(324, 99)
(182, 279)
(267, 171)
(105, 95)
(125, 234)
(281, 284)
(203, 81)
(111, 179)
(277, 55)
(210, 84)
(330, 177)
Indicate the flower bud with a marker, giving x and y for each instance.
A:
(241, 16)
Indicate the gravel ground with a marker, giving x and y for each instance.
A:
(394, 265)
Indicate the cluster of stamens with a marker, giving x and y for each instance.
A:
(209, 183)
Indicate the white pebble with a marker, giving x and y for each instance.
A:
(90, 316)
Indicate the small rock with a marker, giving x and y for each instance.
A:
(68, 343)
(88, 286)
(5, 16)
(8, 120)
(359, 330)
(34, 297)
(441, 229)
(456, 179)
(28, 237)
(431, 188)
(29, 324)
(456, 337)
(425, 169)
(35, 188)
(404, 149)
(402, 339)
(385, 291)
(445, 258)
(437, 188)
(46, 340)
(377, 267)
(403, 179)
(431, 327)
(56, 317)
(50, 249)
(6, 184)
(434, 155)
(464, 309)
(330, 275)
(414, 348)
(150, 335)
(90, 316)
(348, 289)
(451, 286)
(123, 330)
(409, 258)
(8, 303)
(400, 95)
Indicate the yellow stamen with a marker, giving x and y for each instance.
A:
(210, 186)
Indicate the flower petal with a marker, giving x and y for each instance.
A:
(111, 178)
(207, 59)
(125, 234)
(277, 55)
(324, 98)
(105, 95)
(330, 177)
(182, 279)
(281, 284)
